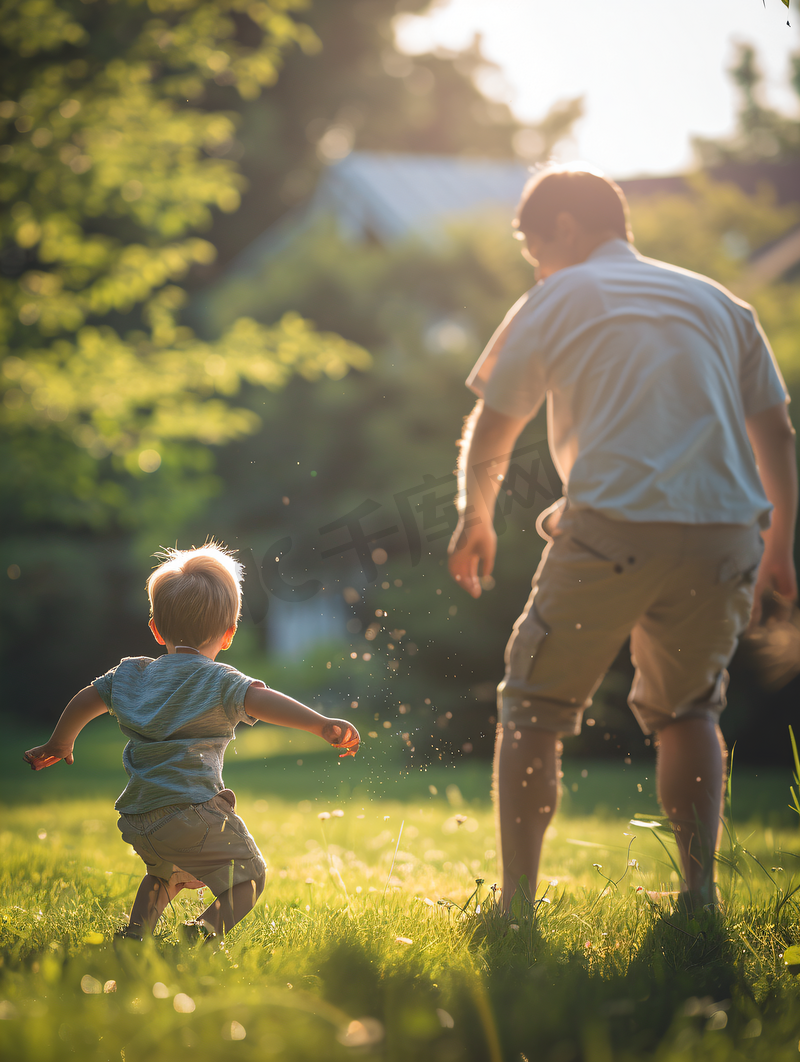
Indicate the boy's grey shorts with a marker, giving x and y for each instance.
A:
(195, 844)
(681, 591)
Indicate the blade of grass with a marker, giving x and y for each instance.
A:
(796, 757)
(394, 860)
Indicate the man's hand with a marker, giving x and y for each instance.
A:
(486, 446)
(341, 735)
(472, 550)
(773, 440)
(48, 754)
(777, 574)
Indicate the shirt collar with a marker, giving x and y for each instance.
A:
(615, 248)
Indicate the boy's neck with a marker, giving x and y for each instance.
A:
(210, 651)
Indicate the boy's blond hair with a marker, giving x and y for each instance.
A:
(195, 594)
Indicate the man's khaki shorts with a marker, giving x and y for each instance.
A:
(195, 844)
(681, 591)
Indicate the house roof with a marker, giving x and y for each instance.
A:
(388, 196)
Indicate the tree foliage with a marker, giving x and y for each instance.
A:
(110, 169)
(761, 133)
(360, 93)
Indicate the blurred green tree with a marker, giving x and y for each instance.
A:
(109, 172)
(359, 92)
(761, 133)
(128, 134)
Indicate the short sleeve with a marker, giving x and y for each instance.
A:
(234, 688)
(760, 378)
(103, 684)
(510, 374)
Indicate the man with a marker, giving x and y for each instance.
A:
(668, 425)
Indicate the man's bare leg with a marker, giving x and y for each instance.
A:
(151, 899)
(233, 905)
(690, 773)
(526, 767)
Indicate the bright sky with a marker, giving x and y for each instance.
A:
(652, 74)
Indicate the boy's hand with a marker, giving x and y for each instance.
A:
(46, 755)
(342, 735)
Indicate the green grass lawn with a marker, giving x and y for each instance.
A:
(374, 940)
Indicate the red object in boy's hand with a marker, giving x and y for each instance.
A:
(40, 764)
(348, 746)
(351, 742)
(39, 761)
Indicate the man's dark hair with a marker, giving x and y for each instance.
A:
(597, 203)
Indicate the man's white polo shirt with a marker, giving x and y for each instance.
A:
(649, 372)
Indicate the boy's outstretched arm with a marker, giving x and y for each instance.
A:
(83, 707)
(273, 707)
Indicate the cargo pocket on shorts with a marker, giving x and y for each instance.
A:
(603, 548)
(185, 831)
(741, 568)
(523, 647)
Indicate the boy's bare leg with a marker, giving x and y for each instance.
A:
(690, 773)
(233, 905)
(526, 767)
(151, 899)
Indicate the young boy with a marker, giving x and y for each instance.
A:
(179, 712)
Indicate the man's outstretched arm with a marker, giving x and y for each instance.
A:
(773, 440)
(486, 444)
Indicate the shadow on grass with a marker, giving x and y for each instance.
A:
(678, 986)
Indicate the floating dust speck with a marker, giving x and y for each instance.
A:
(184, 1004)
(234, 1031)
(361, 1033)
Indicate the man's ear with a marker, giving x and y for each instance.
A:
(227, 638)
(156, 635)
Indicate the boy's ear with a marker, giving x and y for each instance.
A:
(156, 635)
(227, 638)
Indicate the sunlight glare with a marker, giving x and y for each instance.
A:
(651, 76)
